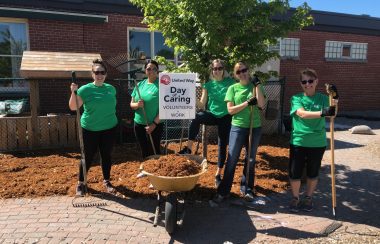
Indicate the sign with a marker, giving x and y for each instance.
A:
(177, 95)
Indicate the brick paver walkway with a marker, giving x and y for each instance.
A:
(122, 220)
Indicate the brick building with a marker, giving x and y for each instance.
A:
(344, 49)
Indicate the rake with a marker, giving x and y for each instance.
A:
(80, 135)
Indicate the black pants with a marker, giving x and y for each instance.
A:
(224, 126)
(144, 140)
(98, 140)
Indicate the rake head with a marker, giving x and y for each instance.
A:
(123, 62)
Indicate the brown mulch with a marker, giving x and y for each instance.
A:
(54, 172)
(172, 165)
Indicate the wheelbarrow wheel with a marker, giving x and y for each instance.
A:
(170, 213)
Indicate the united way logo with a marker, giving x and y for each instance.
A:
(165, 79)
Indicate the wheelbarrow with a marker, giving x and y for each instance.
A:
(174, 186)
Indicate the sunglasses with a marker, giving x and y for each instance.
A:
(217, 68)
(241, 71)
(306, 81)
(150, 69)
(102, 72)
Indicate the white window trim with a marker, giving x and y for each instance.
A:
(24, 21)
(346, 58)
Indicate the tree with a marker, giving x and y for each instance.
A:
(232, 30)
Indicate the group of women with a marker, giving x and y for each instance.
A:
(233, 105)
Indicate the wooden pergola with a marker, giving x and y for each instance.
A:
(41, 131)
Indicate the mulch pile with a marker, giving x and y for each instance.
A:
(55, 172)
(172, 165)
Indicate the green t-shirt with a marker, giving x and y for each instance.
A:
(99, 103)
(149, 93)
(238, 94)
(216, 92)
(308, 132)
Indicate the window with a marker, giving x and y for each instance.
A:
(288, 48)
(13, 42)
(151, 43)
(345, 51)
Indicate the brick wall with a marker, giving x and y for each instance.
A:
(108, 39)
(358, 83)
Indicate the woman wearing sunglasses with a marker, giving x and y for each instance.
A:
(308, 137)
(148, 104)
(243, 97)
(213, 93)
(98, 121)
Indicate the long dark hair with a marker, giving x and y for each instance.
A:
(151, 61)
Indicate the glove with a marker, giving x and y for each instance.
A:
(333, 91)
(256, 81)
(328, 111)
(252, 101)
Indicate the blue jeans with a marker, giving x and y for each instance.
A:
(224, 125)
(239, 137)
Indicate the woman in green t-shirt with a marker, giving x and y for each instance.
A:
(216, 113)
(148, 103)
(98, 122)
(308, 137)
(242, 97)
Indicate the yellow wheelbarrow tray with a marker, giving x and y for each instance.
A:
(173, 216)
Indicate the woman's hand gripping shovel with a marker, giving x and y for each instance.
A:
(331, 90)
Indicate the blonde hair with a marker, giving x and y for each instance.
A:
(218, 61)
(309, 72)
(238, 65)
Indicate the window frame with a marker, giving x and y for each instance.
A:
(152, 45)
(7, 90)
(329, 50)
(279, 48)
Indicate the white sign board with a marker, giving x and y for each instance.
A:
(177, 95)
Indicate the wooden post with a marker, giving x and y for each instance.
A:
(34, 111)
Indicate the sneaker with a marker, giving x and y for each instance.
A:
(294, 205)
(249, 196)
(81, 190)
(218, 180)
(185, 150)
(214, 202)
(307, 204)
(109, 187)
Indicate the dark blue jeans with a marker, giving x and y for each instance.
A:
(224, 126)
(239, 137)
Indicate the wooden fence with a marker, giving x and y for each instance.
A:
(16, 133)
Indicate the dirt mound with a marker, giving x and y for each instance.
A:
(55, 172)
(172, 165)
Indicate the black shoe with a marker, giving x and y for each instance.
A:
(109, 187)
(185, 150)
(294, 205)
(218, 180)
(81, 190)
(307, 204)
